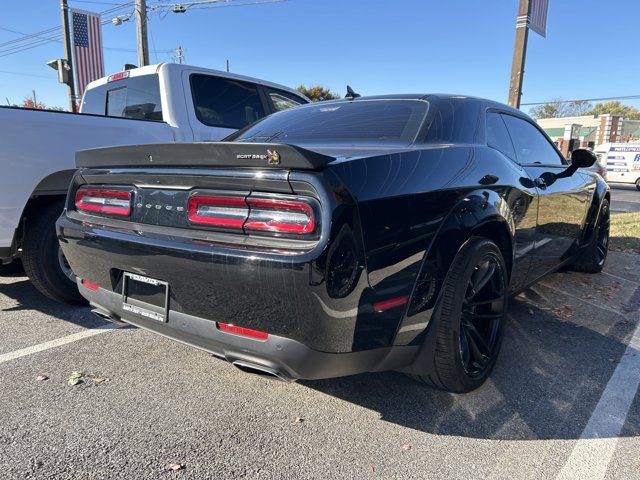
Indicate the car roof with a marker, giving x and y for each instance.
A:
(440, 97)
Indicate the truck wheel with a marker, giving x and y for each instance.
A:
(43, 260)
(470, 318)
(594, 255)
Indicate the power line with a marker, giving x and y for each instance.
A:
(46, 35)
(22, 74)
(624, 97)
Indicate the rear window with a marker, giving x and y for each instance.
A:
(375, 121)
(226, 103)
(133, 97)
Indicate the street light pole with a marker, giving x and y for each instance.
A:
(67, 51)
(141, 29)
(519, 53)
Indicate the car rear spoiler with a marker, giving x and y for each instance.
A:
(204, 154)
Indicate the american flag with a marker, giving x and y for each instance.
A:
(538, 16)
(88, 62)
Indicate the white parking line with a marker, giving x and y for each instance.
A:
(592, 453)
(7, 357)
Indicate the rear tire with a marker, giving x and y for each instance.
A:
(42, 259)
(638, 184)
(469, 318)
(594, 256)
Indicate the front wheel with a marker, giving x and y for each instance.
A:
(43, 260)
(470, 318)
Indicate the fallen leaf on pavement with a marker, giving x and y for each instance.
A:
(42, 378)
(298, 420)
(100, 379)
(76, 378)
(174, 467)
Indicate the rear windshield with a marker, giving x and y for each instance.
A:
(135, 97)
(371, 121)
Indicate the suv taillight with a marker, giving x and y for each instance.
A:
(104, 201)
(278, 214)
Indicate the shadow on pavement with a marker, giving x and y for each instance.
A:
(26, 297)
(557, 357)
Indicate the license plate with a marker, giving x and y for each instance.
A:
(145, 296)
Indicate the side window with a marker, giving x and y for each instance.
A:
(498, 137)
(223, 102)
(282, 100)
(136, 97)
(531, 146)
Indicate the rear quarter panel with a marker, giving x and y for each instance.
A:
(419, 206)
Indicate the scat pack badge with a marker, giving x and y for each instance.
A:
(272, 157)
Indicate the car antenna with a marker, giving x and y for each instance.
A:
(351, 95)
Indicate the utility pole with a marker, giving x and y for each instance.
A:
(66, 34)
(141, 29)
(519, 53)
(179, 54)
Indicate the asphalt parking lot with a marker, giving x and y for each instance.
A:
(562, 402)
(624, 198)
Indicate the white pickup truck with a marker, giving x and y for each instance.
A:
(154, 104)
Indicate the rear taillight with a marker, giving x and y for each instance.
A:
(104, 201)
(280, 216)
(218, 211)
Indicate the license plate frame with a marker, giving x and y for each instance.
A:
(158, 313)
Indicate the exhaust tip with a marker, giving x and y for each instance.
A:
(105, 315)
(261, 370)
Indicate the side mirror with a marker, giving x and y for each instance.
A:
(583, 158)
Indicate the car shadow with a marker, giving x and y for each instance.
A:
(552, 370)
(27, 297)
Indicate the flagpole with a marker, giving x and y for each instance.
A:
(67, 47)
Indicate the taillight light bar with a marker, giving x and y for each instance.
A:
(104, 201)
(280, 216)
(276, 214)
(218, 211)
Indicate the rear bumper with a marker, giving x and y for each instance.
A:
(311, 334)
(279, 356)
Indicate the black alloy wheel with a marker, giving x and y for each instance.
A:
(470, 315)
(482, 314)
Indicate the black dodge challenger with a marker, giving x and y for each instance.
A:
(367, 234)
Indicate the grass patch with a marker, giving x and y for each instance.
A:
(625, 232)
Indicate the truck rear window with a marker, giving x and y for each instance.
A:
(133, 97)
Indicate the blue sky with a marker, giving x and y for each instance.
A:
(376, 46)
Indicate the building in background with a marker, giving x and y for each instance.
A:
(589, 131)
